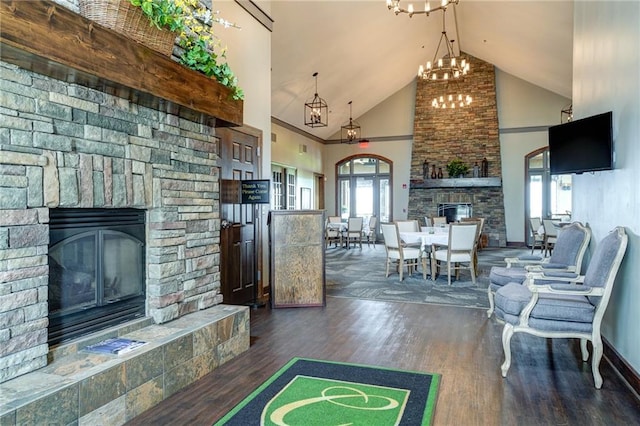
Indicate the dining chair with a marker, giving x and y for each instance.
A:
(353, 231)
(438, 220)
(409, 226)
(557, 307)
(399, 255)
(480, 222)
(333, 233)
(371, 231)
(550, 235)
(459, 251)
(537, 234)
(570, 249)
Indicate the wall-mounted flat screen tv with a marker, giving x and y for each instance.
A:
(584, 145)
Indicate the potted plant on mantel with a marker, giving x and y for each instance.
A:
(457, 168)
(187, 20)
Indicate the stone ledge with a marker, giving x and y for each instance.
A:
(458, 183)
(82, 387)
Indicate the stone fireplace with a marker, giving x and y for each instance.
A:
(79, 134)
(469, 134)
(72, 147)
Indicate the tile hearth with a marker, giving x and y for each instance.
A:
(78, 387)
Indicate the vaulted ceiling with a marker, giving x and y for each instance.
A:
(364, 53)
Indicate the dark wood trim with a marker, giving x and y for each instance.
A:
(621, 365)
(296, 130)
(394, 138)
(257, 13)
(52, 40)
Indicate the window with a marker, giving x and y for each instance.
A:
(546, 195)
(278, 199)
(291, 191)
(283, 181)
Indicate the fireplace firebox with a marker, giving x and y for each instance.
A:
(96, 270)
(454, 212)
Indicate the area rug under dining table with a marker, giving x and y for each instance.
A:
(318, 392)
(360, 273)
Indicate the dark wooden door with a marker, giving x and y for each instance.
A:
(239, 161)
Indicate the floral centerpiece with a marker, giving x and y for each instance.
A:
(200, 48)
(457, 168)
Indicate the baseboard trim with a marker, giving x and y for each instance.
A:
(625, 370)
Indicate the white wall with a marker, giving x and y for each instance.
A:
(392, 117)
(606, 77)
(249, 56)
(522, 109)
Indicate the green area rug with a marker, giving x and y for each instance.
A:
(314, 392)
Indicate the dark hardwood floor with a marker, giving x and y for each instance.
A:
(547, 384)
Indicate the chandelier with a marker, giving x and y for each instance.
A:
(447, 66)
(397, 9)
(350, 133)
(453, 99)
(566, 114)
(316, 111)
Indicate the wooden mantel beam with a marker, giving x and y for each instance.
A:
(49, 39)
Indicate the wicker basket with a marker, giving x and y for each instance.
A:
(124, 18)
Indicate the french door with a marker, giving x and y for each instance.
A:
(546, 196)
(364, 188)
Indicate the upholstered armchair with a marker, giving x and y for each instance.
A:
(571, 246)
(557, 305)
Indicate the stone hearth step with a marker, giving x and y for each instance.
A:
(88, 388)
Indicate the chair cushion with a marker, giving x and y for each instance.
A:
(441, 255)
(513, 297)
(500, 275)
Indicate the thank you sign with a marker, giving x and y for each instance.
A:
(255, 191)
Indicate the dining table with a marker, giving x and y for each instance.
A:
(427, 238)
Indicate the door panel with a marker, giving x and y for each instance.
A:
(238, 161)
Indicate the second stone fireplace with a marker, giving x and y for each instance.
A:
(470, 135)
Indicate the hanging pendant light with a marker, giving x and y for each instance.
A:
(316, 111)
(350, 133)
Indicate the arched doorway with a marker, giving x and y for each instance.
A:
(363, 188)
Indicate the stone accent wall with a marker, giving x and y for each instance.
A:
(63, 145)
(470, 134)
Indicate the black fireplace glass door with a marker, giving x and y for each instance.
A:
(73, 265)
(122, 260)
(94, 268)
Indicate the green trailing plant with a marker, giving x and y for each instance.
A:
(457, 168)
(200, 48)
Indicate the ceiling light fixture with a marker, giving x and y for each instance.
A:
(397, 9)
(453, 99)
(316, 111)
(445, 67)
(566, 114)
(350, 133)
